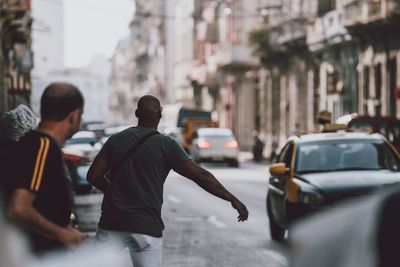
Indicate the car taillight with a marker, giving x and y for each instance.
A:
(231, 144)
(204, 144)
(74, 159)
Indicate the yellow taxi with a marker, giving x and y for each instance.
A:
(316, 171)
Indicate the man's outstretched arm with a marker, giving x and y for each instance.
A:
(208, 182)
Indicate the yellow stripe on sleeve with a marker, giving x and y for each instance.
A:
(39, 156)
(42, 163)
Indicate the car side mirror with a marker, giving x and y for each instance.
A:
(278, 169)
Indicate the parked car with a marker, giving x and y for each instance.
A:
(175, 133)
(214, 144)
(78, 166)
(316, 171)
(388, 126)
(86, 142)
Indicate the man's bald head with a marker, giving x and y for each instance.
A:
(148, 109)
(58, 100)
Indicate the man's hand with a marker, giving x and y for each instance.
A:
(69, 236)
(241, 208)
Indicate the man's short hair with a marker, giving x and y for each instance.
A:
(58, 100)
(146, 108)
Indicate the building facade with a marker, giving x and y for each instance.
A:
(224, 70)
(92, 80)
(16, 60)
(138, 62)
(336, 55)
(287, 78)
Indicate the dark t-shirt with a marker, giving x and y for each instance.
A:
(132, 202)
(40, 168)
(7, 150)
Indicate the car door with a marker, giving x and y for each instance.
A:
(277, 185)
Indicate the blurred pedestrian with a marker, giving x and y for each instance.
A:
(296, 130)
(14, 124)
(258, 147)
(131, 209)
(17, 122)
(361, 234)
(41, 200)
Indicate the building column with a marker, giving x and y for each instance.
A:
(310, 101)
(323, 86)
(283, 109)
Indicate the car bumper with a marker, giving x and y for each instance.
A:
(218, 155)
(297, 211)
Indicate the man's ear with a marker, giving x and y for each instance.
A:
(73, 116)
(137, 113)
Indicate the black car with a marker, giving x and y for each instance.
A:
(316, 171)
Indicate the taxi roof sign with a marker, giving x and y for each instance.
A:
(329, 128)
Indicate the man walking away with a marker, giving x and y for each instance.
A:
(131, 209)
(41, 200)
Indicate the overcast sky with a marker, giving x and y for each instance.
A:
(94, 27)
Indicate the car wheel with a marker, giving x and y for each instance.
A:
(233, 163)
(276, 231)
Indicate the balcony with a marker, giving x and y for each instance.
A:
(316, 35)
(233, 53)
(356, 12)
(289, 31)
(327, 29)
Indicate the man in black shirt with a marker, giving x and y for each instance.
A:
(131, 210)
(41, 198)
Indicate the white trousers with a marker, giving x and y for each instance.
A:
(145, 250)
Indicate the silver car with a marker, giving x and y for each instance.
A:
(84, 141)
(214, 144)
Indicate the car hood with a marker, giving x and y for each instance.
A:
(341, 184)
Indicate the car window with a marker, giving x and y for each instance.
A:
(396, 134)
(393, 133)
(82, 172)
(360, 124)
(383, 129)
(286, 154)
(345, 155)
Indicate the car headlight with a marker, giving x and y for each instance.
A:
(311, 198)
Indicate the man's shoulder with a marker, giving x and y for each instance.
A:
(36, 139)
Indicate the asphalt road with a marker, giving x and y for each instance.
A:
(202, 230)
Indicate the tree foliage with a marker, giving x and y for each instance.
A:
(259, 40)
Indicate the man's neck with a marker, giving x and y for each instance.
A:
(54, 129)
(147, 125)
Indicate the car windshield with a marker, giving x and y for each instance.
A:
(345, 155)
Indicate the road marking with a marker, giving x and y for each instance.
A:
(174, 199)
(189, 219)
(276, 256)
(213, 219)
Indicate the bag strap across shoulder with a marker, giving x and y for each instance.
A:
(132, 150)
